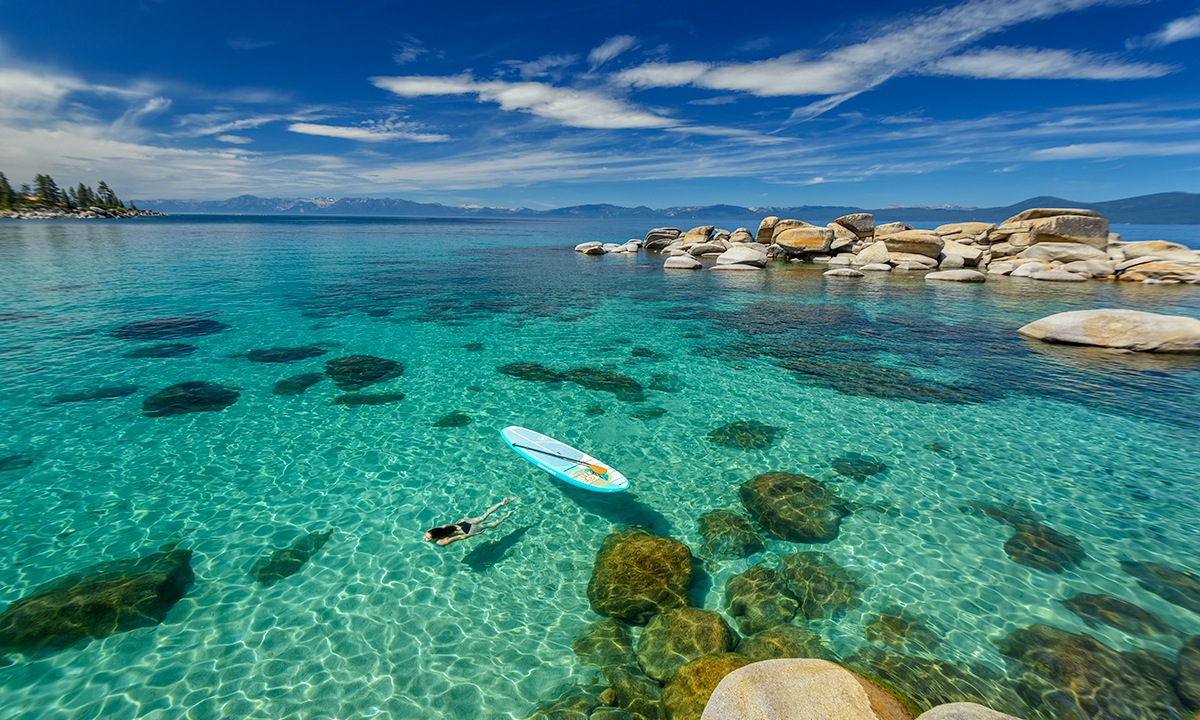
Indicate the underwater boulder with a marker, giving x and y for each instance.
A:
(728, 535)
(189, 397)
(676, 637)
(165, 350)
(531, 371)
(1097, 680)
(1179, 587)
(637, 695)
(625, 388)
(453, 420)
(858, 467)
(97, 602)
(355, 372)
(168, 329)
(1042, 547)
(1188, 682)
(575, 702)
(473, 347)
(759, 599)
(745, 435)
(650, 413)
(929, 682)
(287, 561)
(820, 585)
(692, 685)
(350, 400)
(802, 689)
(107, 392)
(1095, 610)
(785, 641)
(606, 642)
(285, 354)
(297, 384)
(16, 461)
(793, 507)
(901, 627)
(637, 575)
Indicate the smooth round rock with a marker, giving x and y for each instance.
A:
(963, 276)
(1124, 329)
(806, 689)
(843, 272)
(682, 262)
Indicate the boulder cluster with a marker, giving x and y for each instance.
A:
(1050, 244)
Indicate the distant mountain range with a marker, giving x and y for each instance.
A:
(1162, 208)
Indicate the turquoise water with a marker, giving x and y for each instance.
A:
(380, 624)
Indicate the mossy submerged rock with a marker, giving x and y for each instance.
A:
(635, 693)
(297, 384)
(857, 466)
(728, 535)
(287, 561)
(821, 586)
(785, 641)
(688, 692)
(574, 702)
(1188, 682)
(455, 419)
(1096, 609)
(759, 599)
(676, 637)
(801, 689)
(189, 397)
(1179, 587)
(638, 575)
(165, 350)
(106, 392)
(793, 507)
(357, 399)
(285, 354)
(97, 602)
(355, 372)
(1094, 679)
(606, 642)
(1042, 547)
(928, 682)
(531, 371)
(623, 387)
(168, 329)
(901, 627)
(745, 435)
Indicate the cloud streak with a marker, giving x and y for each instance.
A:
(370, 132)
(1178, 30)
(1007, 63)
(610, 49)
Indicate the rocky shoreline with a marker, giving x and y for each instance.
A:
(1046, 244)
(90, 213)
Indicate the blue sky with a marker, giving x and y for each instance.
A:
(543, 104)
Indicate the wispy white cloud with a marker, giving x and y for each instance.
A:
(1184, 28)
(234, 139)
(545, 66)
(384, 131)
(408, 49)
(609, 49)
(567, 106)
(221, 122)
(1009, 63)
(1118, 149)
(842, 73)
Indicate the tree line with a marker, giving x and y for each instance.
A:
(44, 192)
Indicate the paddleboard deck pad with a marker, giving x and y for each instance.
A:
(563, 461)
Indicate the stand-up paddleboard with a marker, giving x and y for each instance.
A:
(564, 462)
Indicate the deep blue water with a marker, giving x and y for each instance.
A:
(380, 624)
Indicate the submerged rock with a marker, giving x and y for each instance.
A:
(899, 627)
(189, 397)
(297, 384)
(165, 350)
(284, 354)
(1094, 679)
(688, 692)
(929, 682)
(867, 380)
(637, 695)
(350, 400)
(1108, 610)
(1188, 683)
(822, 587)
(728, 535)
(1179, 587)
(534, 372)
(650, 413)
(16, 461)
(168, 329)
(97, 602)
(453, 420)
(574, 703)
(793, 507)
(759, 599)
(637, 575)
(623, 387)
(107, 392)
(785, 641)
(473, 347)
(355, 372)
(288, 561)
(676, 637)
(605, 642)
(803, 689)
(745, 435)
(1044, 548)
(858, 467)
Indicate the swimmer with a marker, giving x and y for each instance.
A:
(467, 527)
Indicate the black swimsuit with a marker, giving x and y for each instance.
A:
(465, 527)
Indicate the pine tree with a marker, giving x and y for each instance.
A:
(106, 197)
(47, 190)
(8, 198)
(25, 192)
(85, 196)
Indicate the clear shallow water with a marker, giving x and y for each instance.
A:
(380, 624)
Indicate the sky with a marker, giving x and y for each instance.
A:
(663, 103)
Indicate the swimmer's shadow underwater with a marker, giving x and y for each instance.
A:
(488, 554)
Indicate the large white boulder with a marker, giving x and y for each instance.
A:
(963, 711)
(682, 262)
(1063, 252)
(962, 276)
(800, 689)
(810, 239)
(699, 234)
(861, 224)
(873, 254)
(1160, 249)
(743, 255)
(766, 230)
(917, 242)
(659, 238)
(1057, 275)
(843, 272)
(1124, 329)
(586, 246)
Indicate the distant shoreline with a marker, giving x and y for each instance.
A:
(91, 213)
